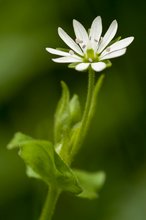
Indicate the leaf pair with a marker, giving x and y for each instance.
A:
(44, 163)
(67, 116)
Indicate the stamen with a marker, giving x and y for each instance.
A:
(90, 38)
(78, 41)
(84, 46)
(71, 52)
(101, 38)
(90, 60)
(108, 49)
(96, 40)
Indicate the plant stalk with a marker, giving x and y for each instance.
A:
(50, 203)
(85, 119)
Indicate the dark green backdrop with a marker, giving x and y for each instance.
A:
(30, 89)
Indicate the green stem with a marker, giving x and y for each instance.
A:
(94, 100)
(85, 119)
(50, 203)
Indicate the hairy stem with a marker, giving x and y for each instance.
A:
(85, 119)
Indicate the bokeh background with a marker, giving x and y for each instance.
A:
(30, 89)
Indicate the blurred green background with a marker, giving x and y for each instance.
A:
(30, 89)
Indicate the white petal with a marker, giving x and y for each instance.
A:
(57, 52)
(82, 66)
(109, 35)
(67, 60)
(98, 66)
(118, 45)
(95, 32)
(122, 43)
(114, 54)
(81, 33)
(69, 41)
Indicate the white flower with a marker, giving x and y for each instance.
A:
(91, 49)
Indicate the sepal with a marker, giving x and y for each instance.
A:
(72, 65)
(115, 40)
(63, 49)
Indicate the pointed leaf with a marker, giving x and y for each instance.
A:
(75, 109)
(18, 138)
(62, 119)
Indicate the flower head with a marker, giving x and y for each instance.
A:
(91, 49)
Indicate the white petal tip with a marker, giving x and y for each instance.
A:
(54, 60)
(57, 52)
(115, 21)
(59, 29)
(47, 49)
(57, 60)
(132, 39)
(74, 20)
(98, 17)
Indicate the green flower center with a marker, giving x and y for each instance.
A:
(90, 56)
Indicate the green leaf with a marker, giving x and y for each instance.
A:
(95, 96)
(30, 173)
(91, 183)
(62, 115)
(19, 138)
(39, 156)
(68, 113)
(75, 109)
(66, 178)
(74, 136)
(44, 163)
